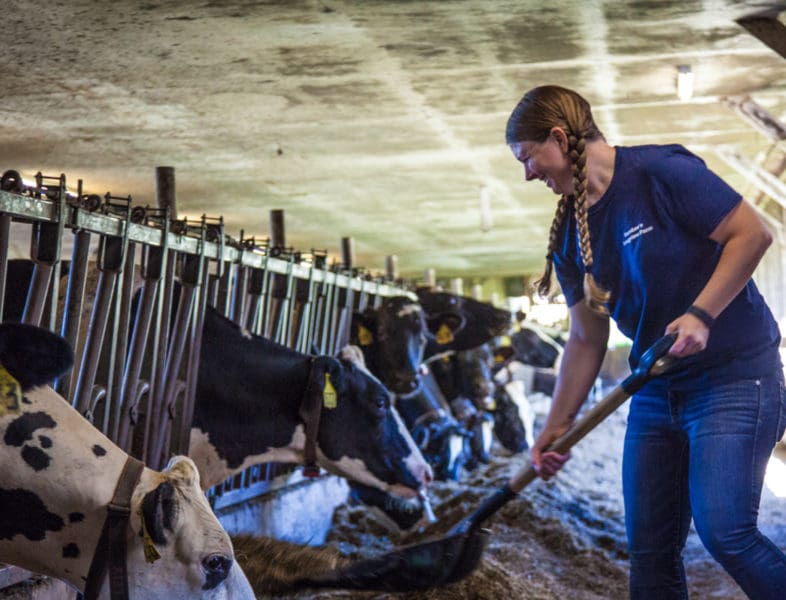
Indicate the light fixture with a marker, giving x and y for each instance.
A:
(486, 220)
(684, 82)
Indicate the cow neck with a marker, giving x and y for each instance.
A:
(311, 412)
(111, 547)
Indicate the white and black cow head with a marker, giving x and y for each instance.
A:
(465, 378)
(249, 409)
(441, 437)
(534, 347)
(459, 323)
(393, 338)
(513, 417)
(59, 474)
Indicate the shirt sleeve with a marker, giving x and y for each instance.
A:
(692, 195)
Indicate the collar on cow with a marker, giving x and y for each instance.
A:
(111, 546)
(311, 412)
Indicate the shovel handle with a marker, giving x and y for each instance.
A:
(653, 362)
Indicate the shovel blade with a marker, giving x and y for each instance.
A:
(416, 567)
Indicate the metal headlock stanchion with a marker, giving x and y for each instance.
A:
(256, 290)
(345, 301)
(306, 325)
(153, 261)
(45, 244)
(137, 365)
(75, 293)
(110, 261)
(184, 417)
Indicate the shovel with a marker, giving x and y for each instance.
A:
(445, 560)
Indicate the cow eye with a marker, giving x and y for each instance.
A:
(217, 564)
(382, 403)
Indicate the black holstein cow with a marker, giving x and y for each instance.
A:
(252, 405)
(444, 441)
(534, 347)
(466, 379)
(395, 336)
(248, 410)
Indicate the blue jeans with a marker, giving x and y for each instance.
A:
(702, 455)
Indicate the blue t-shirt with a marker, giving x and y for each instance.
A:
(651, 249)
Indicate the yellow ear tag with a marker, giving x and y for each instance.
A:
(10, 393)
(151, 552)
(444, 334)
(365, 337)
(329, 399)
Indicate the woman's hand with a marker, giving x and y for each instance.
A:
(692, 335)
(547, 464)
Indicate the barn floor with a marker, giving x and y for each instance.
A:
(563, 539)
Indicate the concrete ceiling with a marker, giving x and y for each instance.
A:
(377, 120)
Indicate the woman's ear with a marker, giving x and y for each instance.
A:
(559, 135)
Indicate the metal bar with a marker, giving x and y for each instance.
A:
(171, 367)
(5, 236)
(195, 348)
(758, 116)
(255, 288)
(762, 179)
(239, 295)
(57, 242)
(155, 263)
(128, 409)
(768, 29)
(283, 334)
(110, 260)
(305, 331)
(44, 210)
(36, 295)
(123, 322)
(267, 284)
(72, 311)
(194, 272)
(342, 331)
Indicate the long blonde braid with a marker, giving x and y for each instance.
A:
(595, 296)
(543, 284)
(540, 110)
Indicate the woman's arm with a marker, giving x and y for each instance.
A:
(584, 351)
(744, 238)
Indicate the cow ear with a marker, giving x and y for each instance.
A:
(353, 356)
(444, 326)
(183, 469)
(503, 354)
(33, 355)
(158, 512)
(364, 328)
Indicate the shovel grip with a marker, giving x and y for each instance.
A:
(653, 362)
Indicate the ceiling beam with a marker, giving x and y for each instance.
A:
(768, 29)
(762, 179)
(757, 116)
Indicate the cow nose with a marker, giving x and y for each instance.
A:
(427, 477)
(406, 385)
(216, 568)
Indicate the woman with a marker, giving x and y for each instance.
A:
(650, 237)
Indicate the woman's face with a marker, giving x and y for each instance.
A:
(546, 161)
